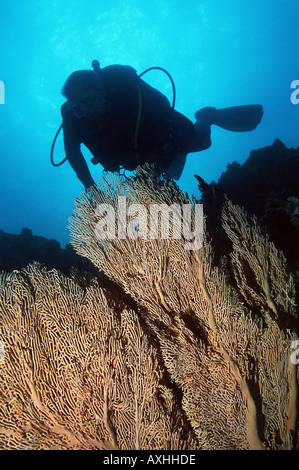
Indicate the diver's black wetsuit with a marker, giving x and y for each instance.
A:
(111, 138)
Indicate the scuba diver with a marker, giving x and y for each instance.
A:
(125, 122)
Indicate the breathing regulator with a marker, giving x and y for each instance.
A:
(97, 69)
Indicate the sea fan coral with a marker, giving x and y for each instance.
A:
(176, 351)
(78, 373)
(229, 358)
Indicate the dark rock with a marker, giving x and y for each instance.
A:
(17, 251)
(267, 185)
(268, 172)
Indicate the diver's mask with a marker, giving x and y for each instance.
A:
(90, 106)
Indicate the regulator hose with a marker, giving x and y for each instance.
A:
(170, 78)
(52, 149)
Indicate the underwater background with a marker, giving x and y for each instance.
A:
(218, 53)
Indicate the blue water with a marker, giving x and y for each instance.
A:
(220, 53)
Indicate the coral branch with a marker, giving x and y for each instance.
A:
(166, 348)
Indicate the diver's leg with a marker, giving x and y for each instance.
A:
(208, 113)
(201, 139)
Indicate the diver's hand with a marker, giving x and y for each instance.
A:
(90, 186)
(94, 190)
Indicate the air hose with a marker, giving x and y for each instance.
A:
(170, 78)
(52, 149)
(96, 66)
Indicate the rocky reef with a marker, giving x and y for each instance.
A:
(267, 185)
(18, 250)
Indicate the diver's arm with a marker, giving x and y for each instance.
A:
(80, 167)
(72, 147)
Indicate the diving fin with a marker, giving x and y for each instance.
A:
(235, 118)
